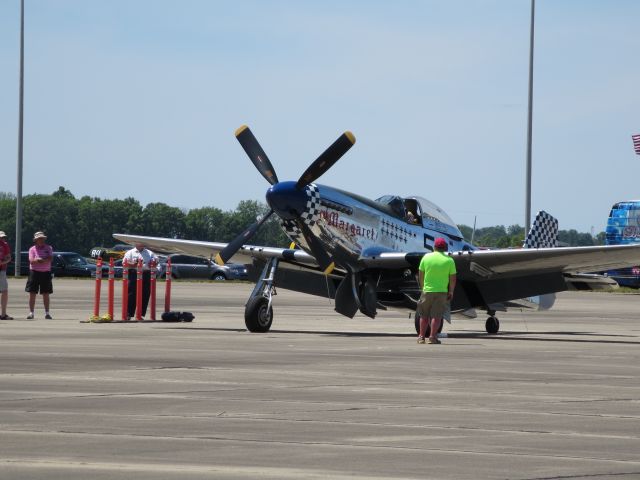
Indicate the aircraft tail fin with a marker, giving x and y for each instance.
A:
(543, 232)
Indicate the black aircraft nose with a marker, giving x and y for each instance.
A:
(286, 200)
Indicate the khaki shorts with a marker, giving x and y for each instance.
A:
(432, 305)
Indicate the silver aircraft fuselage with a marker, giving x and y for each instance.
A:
(350, 226)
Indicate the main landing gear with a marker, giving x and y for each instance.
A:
(258, 312)
(492, 324)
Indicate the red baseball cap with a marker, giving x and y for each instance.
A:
(440, 243)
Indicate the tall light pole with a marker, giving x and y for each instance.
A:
(20, 142)
(527, 222)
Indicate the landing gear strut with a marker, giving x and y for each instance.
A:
(258, 312)
(493, 324)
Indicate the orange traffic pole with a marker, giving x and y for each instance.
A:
(153, 289)
(125, 289)
(110, 290)
(167, 288)
(139, 290)
(96, 298)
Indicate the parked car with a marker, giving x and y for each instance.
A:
(63, 264)
(187, 266)
(24, 265)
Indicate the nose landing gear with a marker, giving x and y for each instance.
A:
(258, 312)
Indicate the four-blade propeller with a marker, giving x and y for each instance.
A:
(320, 166)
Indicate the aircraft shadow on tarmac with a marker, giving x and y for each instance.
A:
(548, 336)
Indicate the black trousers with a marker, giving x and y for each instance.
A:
(146, 291)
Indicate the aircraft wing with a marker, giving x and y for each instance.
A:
(478, 264)
(516, 262)
(489, 277)
(210, 249)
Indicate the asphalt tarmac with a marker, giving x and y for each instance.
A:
(555, 395)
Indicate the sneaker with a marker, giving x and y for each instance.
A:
(420, 339)
(30, 316)
(6, 317)
(434, 341)
(48, 317)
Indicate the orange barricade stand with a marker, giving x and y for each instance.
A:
(167, 291)
(139, 290)
(110, 290)
(152, 266)
(96, 299)
(125, 289)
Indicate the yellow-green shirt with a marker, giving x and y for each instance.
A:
(437, 267)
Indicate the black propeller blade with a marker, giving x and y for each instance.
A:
(326, 264)
(256, 154)
(326, 160)
(232, 247)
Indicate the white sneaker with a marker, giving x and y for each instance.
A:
(30, 316)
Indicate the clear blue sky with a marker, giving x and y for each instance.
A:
(141, 98)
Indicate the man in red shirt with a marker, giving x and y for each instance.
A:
(5, 258)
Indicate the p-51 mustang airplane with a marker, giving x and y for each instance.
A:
(365, 253)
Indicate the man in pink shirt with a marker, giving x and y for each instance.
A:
(5, 258)
(40, 256)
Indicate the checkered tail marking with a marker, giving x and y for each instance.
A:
(543, 233)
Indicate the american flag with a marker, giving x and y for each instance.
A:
(636, 143)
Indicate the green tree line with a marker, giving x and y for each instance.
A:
(513, 236)
(78, 224)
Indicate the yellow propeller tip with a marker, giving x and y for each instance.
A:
(330, 268)
(240, 130)
(351, 137)
(219, 260)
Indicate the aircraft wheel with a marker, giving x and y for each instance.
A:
(492, 325)
(428, 330)
(257, 315)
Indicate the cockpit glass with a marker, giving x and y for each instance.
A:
(395, 202)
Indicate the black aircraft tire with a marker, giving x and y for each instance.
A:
(492, 325)
(256, 316)
(428, 331)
